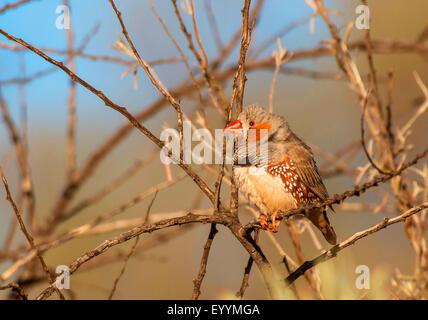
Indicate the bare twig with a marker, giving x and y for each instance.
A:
(204, 261)
(99, 195)
(19, 145)
(238, 91)
(16, 288)
(213, 24)
(131, 252)
(26, 233)
(71, 128)
(309, 275)
(247, 270)
(122, 271)
(362, 137)
(351, 240)
(13, 5)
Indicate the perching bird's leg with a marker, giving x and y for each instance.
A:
(275, 223)
(271, 227)
(263, 222)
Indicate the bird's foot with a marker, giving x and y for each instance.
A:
(276, 221)
(271, 227)
(265, 225)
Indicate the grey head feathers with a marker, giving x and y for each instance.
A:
(279, 127)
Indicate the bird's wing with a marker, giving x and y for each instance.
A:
(307, 170)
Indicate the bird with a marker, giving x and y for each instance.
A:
(290, 176)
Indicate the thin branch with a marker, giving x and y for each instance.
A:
(71, 125)
(238, 93)
(19, 145)
(13, 5)
(280, 34)
(92, 57)
(103, 192)
(274, 287)
(247, 270)
(122, 271)
(203, 62)
(131, 252)
(153, 78)
(372, 65)
(313, 283)
(245, 278)
(186, 62)
(204, 261)
(293, 285)
(213, 23)
(240, 79)
(198, 38)
(351, 240)
(143, 64)
(26, 233)
(363, 143)
(16, 288)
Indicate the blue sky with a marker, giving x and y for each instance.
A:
(35, 23)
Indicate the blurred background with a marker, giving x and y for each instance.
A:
(323, 112)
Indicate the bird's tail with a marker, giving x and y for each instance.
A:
(319, 218)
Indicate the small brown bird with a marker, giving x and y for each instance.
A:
(291, 178)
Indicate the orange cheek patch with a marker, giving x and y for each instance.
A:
(258, 131)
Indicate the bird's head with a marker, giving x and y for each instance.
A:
(261, 121)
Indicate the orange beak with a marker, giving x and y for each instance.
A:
(235, 128)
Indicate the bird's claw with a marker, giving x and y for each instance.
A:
(271, 227)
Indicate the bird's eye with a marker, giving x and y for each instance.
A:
(251, 123)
